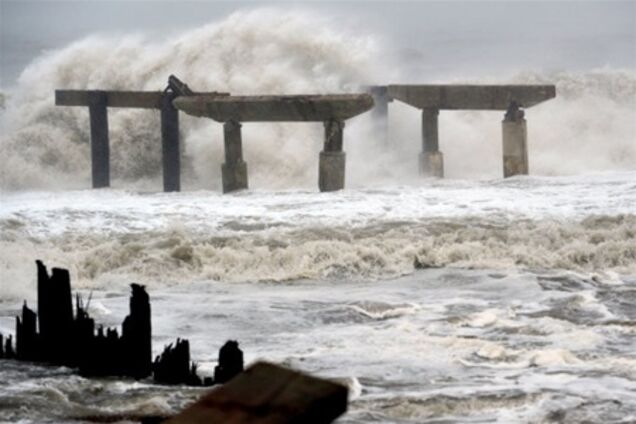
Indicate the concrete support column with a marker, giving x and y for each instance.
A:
(171, 157)
(100, 148)
(431, 159)
(234, 170)
(380, 112)
(515, 144)
(331, 166)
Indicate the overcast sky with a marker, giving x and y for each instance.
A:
(547, 34)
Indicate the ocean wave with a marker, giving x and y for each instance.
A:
(388, 250)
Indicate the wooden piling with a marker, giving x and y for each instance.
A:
(100, 149)
(170, 144)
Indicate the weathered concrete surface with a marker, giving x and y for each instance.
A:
(331, 171)
(275, 108)
(267, 393)
(100, 147)
(430, 131)
(432, 164)
(115, 98)
(478, 97)
(234, 170)
(331, 165)
(170, 153)
(515, 147)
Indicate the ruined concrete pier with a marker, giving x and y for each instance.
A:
(98, 102)
(433, 98)
(332, 110)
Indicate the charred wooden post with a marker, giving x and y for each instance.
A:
(55, 314)
(26, 337)
(234, 170)
(266, 393)
(136, 335)
(173, 366)
(171, 155)
(230, 362)
(431, 159)
(331, 166)
(9, 353)
(515, 142)
(100, 148)
(84, 332)
(70, 340)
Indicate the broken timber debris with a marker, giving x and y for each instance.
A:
(70, 339)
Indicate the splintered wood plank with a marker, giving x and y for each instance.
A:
(268, 394)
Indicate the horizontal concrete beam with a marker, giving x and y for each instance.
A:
(131, 99)
(275, 108)
(478, 97)
(134, 99)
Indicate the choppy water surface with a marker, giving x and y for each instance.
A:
(525, 310)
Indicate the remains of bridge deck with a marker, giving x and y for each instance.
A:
(332, 110)
(99, 100)
(433, 98)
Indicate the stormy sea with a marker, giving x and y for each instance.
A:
(468, 299)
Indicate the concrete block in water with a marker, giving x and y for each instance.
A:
(331, 171)
(234, 176)
(267, 393)
(432, 164)
(234, 170)
(515, 147)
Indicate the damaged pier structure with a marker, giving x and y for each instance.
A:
(231, 111)
(98, 102)
(331, 109)
(430, 99)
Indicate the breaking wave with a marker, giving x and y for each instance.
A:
(263, 51)
(385, 250)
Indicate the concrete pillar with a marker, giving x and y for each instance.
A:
(380, 112)
(331, 166)
(100, 149)
(431, 159)
(234, 170)
(515, 144)
(171, 157)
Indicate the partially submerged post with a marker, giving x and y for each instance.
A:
(432, 98)
(515, 142)
(234, 169)
(331, 165)
(431, 159)
(332, 110)
(100, 147)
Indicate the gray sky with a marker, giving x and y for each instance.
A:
(430, 35)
